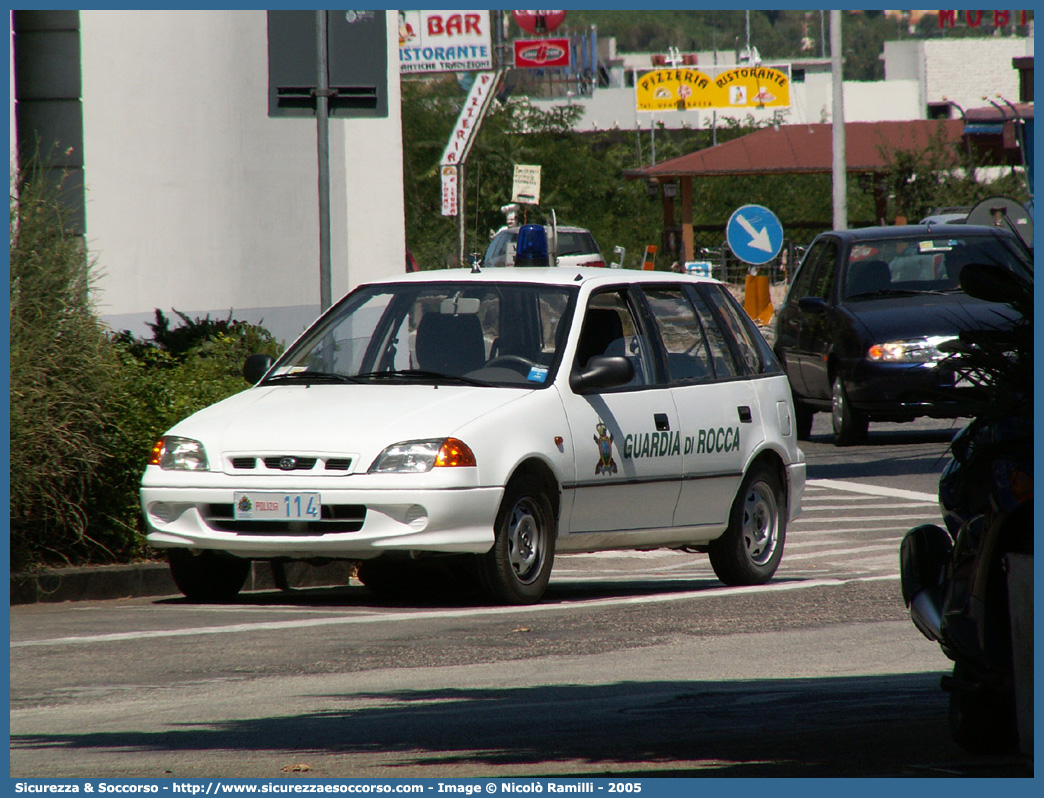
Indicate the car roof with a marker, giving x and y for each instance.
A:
(915, 230)
(561, 228)
(547, 275)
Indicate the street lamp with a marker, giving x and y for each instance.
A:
(965, 136)
(1021, 139)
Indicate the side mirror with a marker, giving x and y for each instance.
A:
(256, 366)
(603, 371)
(994, 284)
(812, 304)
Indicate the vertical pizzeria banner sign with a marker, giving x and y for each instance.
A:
(462, 137)
(687, 89)
(444, 41)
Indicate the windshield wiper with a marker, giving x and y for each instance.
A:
(419, 375)
(311, 376)
(887, 292)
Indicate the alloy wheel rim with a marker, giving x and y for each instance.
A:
(760, 524)
(837, 406)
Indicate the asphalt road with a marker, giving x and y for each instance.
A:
(637, 664)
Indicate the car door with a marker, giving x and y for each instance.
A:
(625, 440)
(806, 318)
(818, 322)
(709, 373)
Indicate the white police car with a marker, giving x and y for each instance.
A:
(497, 417)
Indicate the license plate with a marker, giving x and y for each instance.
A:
(277, 507)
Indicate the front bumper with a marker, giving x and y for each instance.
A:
(897, 390)
(357, 523)
(795, 488)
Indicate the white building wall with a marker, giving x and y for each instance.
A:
(197, 200)
(961, 70)
(883, 101)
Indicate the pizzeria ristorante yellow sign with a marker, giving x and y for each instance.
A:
(738, 87)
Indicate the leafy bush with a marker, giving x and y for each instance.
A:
(161, 381)
(61, 380)
(87, 405)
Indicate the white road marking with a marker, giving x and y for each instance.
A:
(873, 490)
(850, 554)
(862, 518)
(774, 587)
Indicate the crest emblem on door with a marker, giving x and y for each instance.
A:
(604, 439)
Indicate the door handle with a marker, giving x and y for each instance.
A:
(744, 414)
(663, 424)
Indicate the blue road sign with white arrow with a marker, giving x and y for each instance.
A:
(754, 234)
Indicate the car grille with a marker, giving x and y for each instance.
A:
(289, 464)
(336, 518)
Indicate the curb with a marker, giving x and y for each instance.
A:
(106, 582)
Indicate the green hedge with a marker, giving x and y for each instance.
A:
(87, 405)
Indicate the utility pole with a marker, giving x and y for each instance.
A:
(839, 168)
(322, 121)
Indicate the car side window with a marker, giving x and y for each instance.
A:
(818, 271)
(725, 365)
(750, 347)
(803, 279)
(609, 328)
(684, 342)
(826, 270)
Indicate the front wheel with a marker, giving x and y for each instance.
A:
(749, 551)
(516, 570)
(850, 426)
(209, 575)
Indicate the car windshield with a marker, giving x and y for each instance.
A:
(507, 334)
(924, 264)
(576, 244)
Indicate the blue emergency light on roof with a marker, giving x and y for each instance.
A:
(531, 247)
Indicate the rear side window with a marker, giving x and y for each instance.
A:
(576, 244)
(684, 342)
(717, 339)
(750, 346)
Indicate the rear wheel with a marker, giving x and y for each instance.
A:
(516, 570)
(749, 551)
(850, 426)
(209, 575)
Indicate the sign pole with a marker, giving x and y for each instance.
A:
(322, 120)
(461, 207)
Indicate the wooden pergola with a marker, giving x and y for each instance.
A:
(795, 150)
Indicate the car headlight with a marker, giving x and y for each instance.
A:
(172, 453)
(418, 457)
(913, 350)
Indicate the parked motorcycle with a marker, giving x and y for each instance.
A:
(955, 581)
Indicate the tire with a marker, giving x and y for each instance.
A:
(803, 420)
(850, 426)
(750, 550)
(982, 721)
(516, 570)
(209, 575)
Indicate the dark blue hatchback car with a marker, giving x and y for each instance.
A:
(860, 330)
